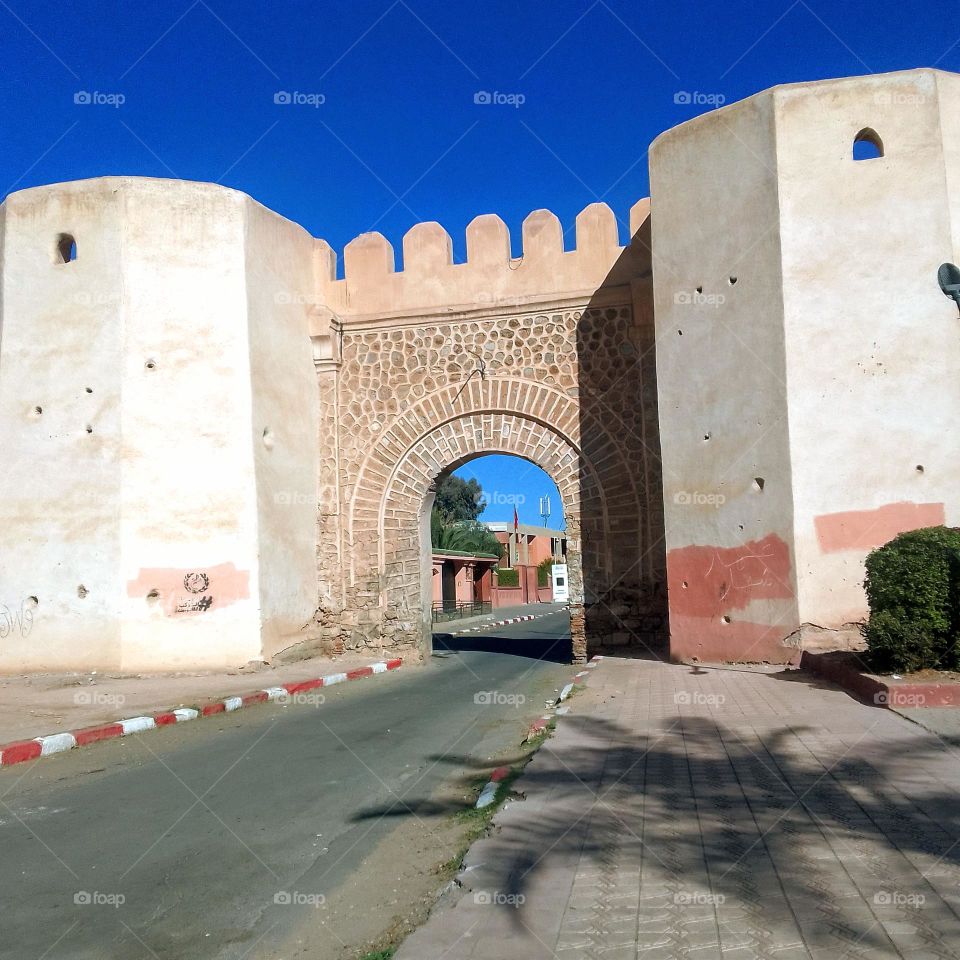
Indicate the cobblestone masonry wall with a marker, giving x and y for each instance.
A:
(564, 381)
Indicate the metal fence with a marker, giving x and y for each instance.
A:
(451, 610)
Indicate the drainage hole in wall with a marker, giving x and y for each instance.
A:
(89, 389)
(739, 526)
(82, 591)
(758, 483)
(32, 602)
(699, 289)
(153, 596)
(684, 584)
(731, 280)
(726, 619)
(707, 436)
(919, 468)
(37, 411)
(88, 428)
(151, 364)
(268, 438)
(679, 333)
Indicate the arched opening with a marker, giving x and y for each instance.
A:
(867, 145)
(65, 249)
(498, 551)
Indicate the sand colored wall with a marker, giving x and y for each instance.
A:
(872, 343)
(164, 510)
(60, 489)
(828, 365)
(721, 379)
(284, 426)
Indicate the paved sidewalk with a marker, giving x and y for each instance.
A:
(691, 812)
(39, 704)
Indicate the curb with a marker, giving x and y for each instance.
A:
(20, 750)
(503, 623)
(489, 792)
(877, 690)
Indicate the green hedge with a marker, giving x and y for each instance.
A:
(912, 587)
(507, 577)
(544, 570)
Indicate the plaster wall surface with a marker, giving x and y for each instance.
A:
(830, 362)
(140, 501)
(872, 344)
(284, 424)
(722, 384)
(60, 503)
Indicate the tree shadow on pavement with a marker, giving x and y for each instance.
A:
(773, 829)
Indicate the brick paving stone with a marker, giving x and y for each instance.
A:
(701, 813)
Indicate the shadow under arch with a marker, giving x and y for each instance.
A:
(624, 547)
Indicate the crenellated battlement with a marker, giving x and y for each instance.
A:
(432, 282)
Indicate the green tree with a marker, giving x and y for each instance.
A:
(458, 499)
(464, 536)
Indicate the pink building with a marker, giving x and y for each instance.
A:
(527, 545)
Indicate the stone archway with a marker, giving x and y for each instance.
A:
(386, 511)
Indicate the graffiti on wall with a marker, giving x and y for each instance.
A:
(18, 621)
(199, 590)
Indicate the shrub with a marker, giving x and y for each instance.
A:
(911, 587)
(544, 570)
(507, 577)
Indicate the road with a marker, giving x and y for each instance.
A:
(271, 832)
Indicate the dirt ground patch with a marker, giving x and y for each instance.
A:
(394, 889)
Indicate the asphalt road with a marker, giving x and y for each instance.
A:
(215, 839)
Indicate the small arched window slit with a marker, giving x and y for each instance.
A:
(867, 145)
(65, 249)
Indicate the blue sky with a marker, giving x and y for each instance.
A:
(399, 138)
(510, 482)
(386, 130)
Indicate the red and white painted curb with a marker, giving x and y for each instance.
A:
(21, 750)
(489, 792)
(503, 623)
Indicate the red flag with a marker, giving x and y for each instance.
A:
(516, 520)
